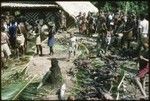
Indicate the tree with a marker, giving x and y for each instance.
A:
(136, 7)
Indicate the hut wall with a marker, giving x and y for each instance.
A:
(32, 14)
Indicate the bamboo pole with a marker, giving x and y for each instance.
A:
(24, 87)
(117, 96)
(121, 82)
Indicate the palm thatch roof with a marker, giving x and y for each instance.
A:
(74, 7)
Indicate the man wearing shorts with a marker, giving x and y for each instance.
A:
(144, 29)
(143, 69)
(5, 50)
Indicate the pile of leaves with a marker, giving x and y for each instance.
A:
(101, 79)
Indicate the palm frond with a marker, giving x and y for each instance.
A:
(12, 91)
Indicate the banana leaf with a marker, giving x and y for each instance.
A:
(12, 91)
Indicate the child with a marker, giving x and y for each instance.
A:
(38, 40)
(72, 45)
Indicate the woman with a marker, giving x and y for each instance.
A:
(51, 39)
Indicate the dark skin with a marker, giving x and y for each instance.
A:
(128, 29)
(38, 47)
(51, 47)
(141, 84)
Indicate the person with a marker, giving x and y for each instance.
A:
(38, 40)
(103, 30)
(118, 33)
(23, 29)
(44, 30)
(51, 39)
(108, 38)
(72, 45)
(12, 34)
(20, 42)
(135, 28)
(63, 21)
(128, 31)
(5, 50)
(143, 69)
(78, 20)
(110, 20)
(90, 24)
(83, 25)
(143, 29)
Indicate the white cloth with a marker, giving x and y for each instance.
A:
(4, 37)
(110, 17)
(108, 39)
(111, 23)
(144, 25)
(73, 44)
(44, 29)
(6, 27)
(21, 40)
(38, 40)
(120, 35)
(5, 49)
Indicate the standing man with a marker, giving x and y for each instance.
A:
(128, 32)
(5, 50)
(63, 21)
(143, 69)
(78, 20)
(12, 34)
(143, 29)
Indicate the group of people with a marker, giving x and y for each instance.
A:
(16, 32)
(121, 31)
(13, 35)
(124, 27)
(117, 30)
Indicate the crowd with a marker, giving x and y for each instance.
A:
(114, 29)
(16, 32)
(123, 31)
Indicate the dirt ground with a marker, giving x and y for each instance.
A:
(40, 64)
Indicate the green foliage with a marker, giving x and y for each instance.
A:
(97, 63)
(9, 92)
(12, 91)
(136, 7)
